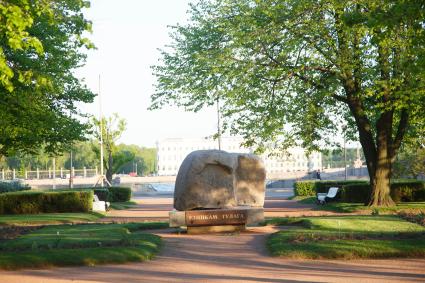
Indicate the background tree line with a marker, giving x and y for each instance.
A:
(86, 154)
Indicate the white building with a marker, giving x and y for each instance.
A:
(171, 152)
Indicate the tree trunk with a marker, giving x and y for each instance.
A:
(380, 178)
(380, 184)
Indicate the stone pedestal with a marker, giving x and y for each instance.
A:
(216, 220)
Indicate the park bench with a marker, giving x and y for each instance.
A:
(323, 197)
(99, 205)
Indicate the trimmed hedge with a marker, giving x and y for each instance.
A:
(111, 194)
(102, 194)
(13, 186)
(46, 202)
(119, 194)
(401, 191)
(305, 188)
(357, 191)
(311, 188)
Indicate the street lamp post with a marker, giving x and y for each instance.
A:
(71, 179)
(345, 155)
(218, 123)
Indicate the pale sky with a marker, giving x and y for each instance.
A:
(127, 34)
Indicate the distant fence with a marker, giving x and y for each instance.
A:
(61, 173)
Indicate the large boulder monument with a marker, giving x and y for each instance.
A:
(217, 191)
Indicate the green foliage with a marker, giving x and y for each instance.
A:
(102, 194)
(305, 188)
(13, 186)
(42, 45)
(334, 158)
(110, 129)
(410, 162)
(45, 202)
(401, 191)
(80, 245)
(127, 156)
(316, 67)
(86, 154)
(348, 237)
(357, 191)
(119, 194)
(311, 188)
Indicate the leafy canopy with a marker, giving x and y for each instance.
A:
(293, 71)
(41, 44)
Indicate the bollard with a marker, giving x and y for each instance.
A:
(2, 174)
(85, 172)
(26, 175)
(61, 173)
(14, 174)
(38, 174)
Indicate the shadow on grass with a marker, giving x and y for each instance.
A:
(88, 244)
(347, 237)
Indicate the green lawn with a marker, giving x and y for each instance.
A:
(347, 237)
(85, 244)
(49, 218)
(123, 205)
(360, 207)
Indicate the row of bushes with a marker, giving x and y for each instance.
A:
(359, 191)
(113, 194)
(77, 200)
(311, 188)
(13, 186)
(407, 191)
(46, 202)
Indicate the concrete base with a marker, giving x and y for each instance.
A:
(215, 229)
(254, 215)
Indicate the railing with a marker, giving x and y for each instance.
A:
(47, 174)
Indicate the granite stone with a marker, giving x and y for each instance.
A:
(212, 179)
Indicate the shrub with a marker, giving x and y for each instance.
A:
(401, 191)
(408, 191)
(13, 186)
(304, 188)
(46, 202)
(102, 194)
(311, 188)
(358, 193)
(119, 194)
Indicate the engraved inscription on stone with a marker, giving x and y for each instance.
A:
(216, 217)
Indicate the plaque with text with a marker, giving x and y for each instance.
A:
(216, 217)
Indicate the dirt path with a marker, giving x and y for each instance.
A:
(228, 258)
(156, 209)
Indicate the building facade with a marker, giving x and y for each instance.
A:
(171, 153)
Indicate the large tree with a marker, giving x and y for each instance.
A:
(41, 45)
(301, 71)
